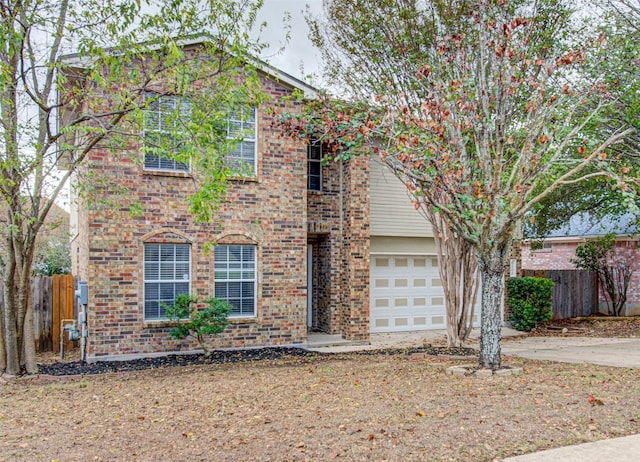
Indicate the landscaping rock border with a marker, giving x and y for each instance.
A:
(472, 369)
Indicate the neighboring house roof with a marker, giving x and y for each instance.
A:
(79, 61)
(583, 225)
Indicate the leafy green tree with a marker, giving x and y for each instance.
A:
(53, 257)
(483, 108)
(198, 323)
(614, 271)
(80, 74)
(617, 64)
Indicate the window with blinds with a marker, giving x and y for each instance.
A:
(167, 273)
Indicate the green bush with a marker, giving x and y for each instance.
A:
(531, 301)
(211, 320)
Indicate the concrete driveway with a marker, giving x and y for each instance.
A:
(617, 352)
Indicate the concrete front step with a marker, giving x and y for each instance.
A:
(321, 340)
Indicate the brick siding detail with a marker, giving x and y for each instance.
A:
(270, 212)
(356, 250)
(339, 225)
(323, 216)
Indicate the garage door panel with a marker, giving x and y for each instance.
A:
(406, 294)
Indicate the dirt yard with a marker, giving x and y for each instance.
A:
(346, 407)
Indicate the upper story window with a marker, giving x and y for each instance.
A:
(241, 126)
(167, 273)
(314, 166)
(164, 120)
(235, 277)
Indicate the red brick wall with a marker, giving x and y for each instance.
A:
(270, 212)
(341, 249)
(323, 215)
(356, 250)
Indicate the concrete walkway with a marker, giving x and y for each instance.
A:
(336, 344)
(625, 449)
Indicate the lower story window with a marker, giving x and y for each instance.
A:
(235, 277)
(167, 273)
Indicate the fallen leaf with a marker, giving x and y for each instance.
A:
(593, 400)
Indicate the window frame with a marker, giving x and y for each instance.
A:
(253, 281)
(177, 166)
(314, 145)
(159, 281)
(232, 117)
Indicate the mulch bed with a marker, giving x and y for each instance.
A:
(595, 326)
(228, 356)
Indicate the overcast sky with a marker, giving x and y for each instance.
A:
(299, 51)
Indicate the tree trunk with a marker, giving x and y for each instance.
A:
(491, 322)
(492, 266)
(28, 334)
(11, 340)
(457, 267)
(3, 350)
(17, 323)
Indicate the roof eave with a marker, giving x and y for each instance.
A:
(75, 60)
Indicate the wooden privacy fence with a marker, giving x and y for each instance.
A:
(53, 300)
(575, 293)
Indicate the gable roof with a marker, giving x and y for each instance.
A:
(77, 60)
(583, 225)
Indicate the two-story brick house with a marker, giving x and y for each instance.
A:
(300, 246)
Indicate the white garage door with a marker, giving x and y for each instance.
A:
(406, 293)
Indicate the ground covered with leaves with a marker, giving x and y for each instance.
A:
(593, 326)
(321, 407)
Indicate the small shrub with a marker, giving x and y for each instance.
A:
(531, 302)
(211, 320)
